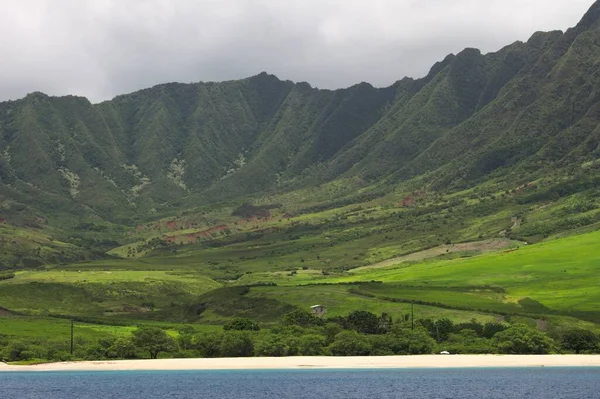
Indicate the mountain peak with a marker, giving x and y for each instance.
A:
(591, 17)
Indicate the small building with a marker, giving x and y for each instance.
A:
(318, 310)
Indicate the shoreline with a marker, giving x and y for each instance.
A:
(320, 362)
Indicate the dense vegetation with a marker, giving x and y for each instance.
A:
(217, 213)
(359, 333)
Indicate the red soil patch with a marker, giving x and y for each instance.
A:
(191, 238)
(407, 201)
(206, 234)
(217, 229)
(410, 200)
(4, 312)
(171, 225)
(203, 234)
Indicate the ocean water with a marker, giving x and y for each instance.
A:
(518, 383)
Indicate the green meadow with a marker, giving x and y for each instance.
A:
(460, 257)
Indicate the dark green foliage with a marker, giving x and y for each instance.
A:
(468, 341)
(312, 345)
(522, 340)
(247, 210)
(16, 351)
(367, 322)
(490, 329)
(209, 345)
(241, 324)
(350, 343)
(579, 340)
(363, 322)
(412, 342)
(277, 345)
(236, 344)
(302, 318)
(123, 348)
(153, 340)
(438, 329)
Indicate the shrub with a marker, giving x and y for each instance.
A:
(236, 344)
(312, 345)
(153, 340)
(522, 340)
(350, 343)
(578, 340)
(241, 324)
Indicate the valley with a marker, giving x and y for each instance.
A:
(471, 195)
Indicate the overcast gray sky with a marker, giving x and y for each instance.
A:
(102, 48)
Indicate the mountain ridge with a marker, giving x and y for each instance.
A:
(474, 116)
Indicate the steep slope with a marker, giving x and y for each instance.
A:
(508, 117)
(545, 118)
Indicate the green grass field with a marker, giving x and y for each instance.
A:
(447, 258)
(340, 301)
(554, 277)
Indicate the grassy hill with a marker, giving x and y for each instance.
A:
(473, 192)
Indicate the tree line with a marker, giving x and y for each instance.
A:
(359, 333)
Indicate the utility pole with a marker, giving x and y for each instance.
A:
(71, 337)
(412, 315)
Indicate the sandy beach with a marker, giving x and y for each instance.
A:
(374, 362)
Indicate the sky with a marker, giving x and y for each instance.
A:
(102, 48)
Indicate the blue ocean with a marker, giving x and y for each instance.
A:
(522, 383)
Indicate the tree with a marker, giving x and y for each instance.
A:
(236, 344)
(579, 340)
(102, 349)
(186, 337)
(241, 324)
(350, 343)
(490, 329)
(277, 345)
(302, 318)
(209, 345)
(473, 325)
(123, 348)
(442, 329)
(468, 341)
(412, 342)
(382, 345)
(522, 340)
(385, 323)
(331, 330)
(312, 345)
(16, 351)
(154, 340)
(439, 329)
(363, 322)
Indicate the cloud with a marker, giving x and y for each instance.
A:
(102, 48)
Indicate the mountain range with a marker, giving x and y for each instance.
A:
(528, 112)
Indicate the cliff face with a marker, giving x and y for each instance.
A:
(527, 110)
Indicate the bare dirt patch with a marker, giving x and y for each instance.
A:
(475, 247)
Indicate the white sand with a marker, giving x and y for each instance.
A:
(373, 362)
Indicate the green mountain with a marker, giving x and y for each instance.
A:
(495, 122)
(469, 198)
